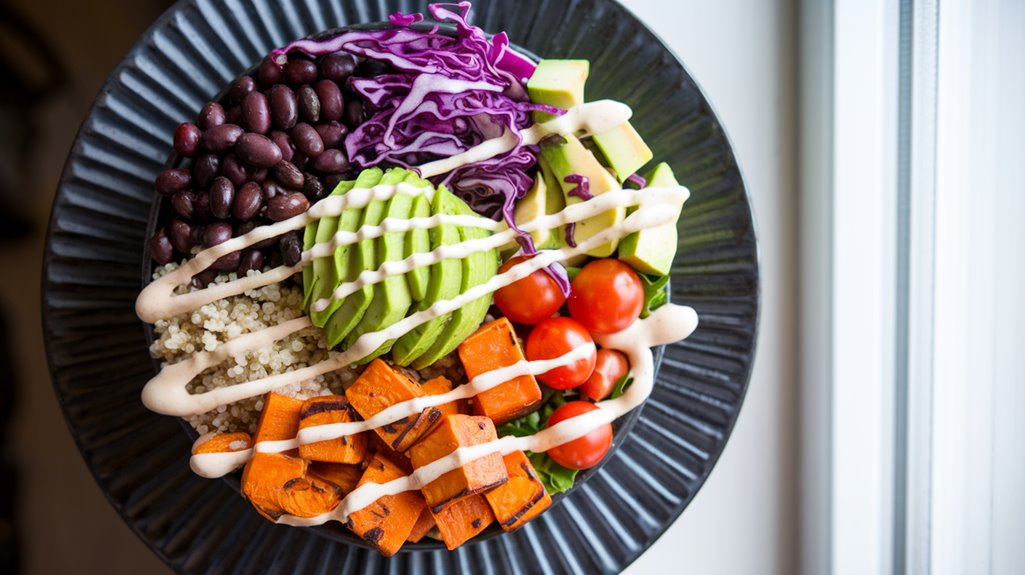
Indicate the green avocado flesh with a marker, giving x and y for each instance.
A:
(379, 306)
(445, 283)
(478, 268)
(651, 251)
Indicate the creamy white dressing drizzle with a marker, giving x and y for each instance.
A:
(167, 393)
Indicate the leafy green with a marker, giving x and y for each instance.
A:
(572, 272)
(553, 476)
(621, 385)
(655, 294)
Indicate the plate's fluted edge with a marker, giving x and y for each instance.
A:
(542, 532)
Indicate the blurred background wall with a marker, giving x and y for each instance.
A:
(743, 53)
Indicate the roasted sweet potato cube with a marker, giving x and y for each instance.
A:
(457, 431)
(380, 387)
(387, 522)
(222, 443)
(491, 347)
(520, 499)
(328, 409)
(279, 419)
(462, 520)
(423, 524)
(278, 484)
(440, 385)
(342, 475)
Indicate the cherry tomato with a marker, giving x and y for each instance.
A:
(606, 296)
(583, 452)
(555, 337)
(609, 368)
(530, 299)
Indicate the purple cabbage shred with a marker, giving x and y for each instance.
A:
(582, 189)
(640, 182)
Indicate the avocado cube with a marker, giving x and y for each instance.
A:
(542, 199)
(558, 83)
(624, 150)
(651, 251)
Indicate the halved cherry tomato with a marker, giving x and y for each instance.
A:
(583, 452)
(606, 296)
(530, 299)
(610, 367)
(555, 337)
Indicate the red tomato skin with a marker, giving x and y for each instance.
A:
(606, 296)
(610, 367)
(555, 337)
(529, 300)
(584, 452)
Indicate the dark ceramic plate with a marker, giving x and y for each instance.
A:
(97, 347)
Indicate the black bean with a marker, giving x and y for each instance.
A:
(247, 227)
(291, 246)
(332, 133)
(221, 138)
(284, 143)
(282, 207)
(233, 169)
(227, 263)
(300, 160)
(211, 115)
(180, 234)
(251, 260)
(172, 181)
(256, 113)
(337, 67)
(299, 71)
(205, 169)
(353, 113)
(196, 235)
(187, 139)
(248, 201)
(288, 175)
(330, 162)
(234, 116)
(201, 207)
(204, 278)
(309, 103)
(331, 103)
(313, 188)
(222, 193)
(160, 248)
(307, 140)
(331, 182)
(257, 150)
(270, 189)
(370, 68)
(240, 88)
(183, 203)
(258, 175)
(269, 73)
(284, 109)
(216, 233)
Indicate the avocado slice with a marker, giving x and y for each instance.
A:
(309, 279)
(329, 271)
(391, 298)
(418, 242)
(543, 198)
(558, 83)
(623, 150)
(478, 268)
(356, 259)
(445, 283)
(565, 156)
(651, 250)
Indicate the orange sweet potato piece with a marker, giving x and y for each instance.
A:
(440, 385)
(224, 443)
(278, 484)
(423, 524)
(463, 519)
(475, 477)
(521, 498)
(491, 347)
(387, 522)
(380, 387)
(342, 475)
(328, 409)
(279, 419)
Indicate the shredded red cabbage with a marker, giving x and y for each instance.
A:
(583, 186)
(640, 182)
(571, 229)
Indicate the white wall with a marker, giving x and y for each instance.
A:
(743, 54)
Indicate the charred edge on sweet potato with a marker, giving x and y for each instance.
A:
(466, 493)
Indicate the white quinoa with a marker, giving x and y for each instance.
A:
(214, 324)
